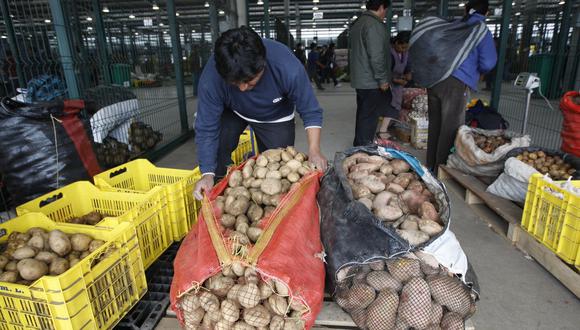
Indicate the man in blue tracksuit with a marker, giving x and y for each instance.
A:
(447, 99)
(256, 82)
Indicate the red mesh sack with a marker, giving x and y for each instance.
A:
(571, 124)
(289, 250)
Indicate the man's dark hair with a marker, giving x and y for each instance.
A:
(402, 37)
(480, 6)
(375, 4)
(312, 46)
(239, 55)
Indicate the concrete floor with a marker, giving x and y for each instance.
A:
(516, 292)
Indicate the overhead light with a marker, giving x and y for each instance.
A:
(131, 16)
(46, 21)
(315, 1)
(184, 58)
(89, 18)
(416, 21)
(176, 14)
(518, 13)
(164, 32)
(206, 4)
(346, 25)
(513, 3)
(221, 12)
(4, 37)
(562, 3)
(136, 33)
(462, 4)
(315, 8)
(192, 31)
(11, 16)
(155, 6)
(363, 6)
(260, 2)
(161, 24)
(395, 16)
(89, 28)
(105, 9)
(354, 17)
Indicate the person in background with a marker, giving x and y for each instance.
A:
(370, 69)
(330, 67)
(300, 54)
(250, 81)
(314, 65)
(447, 100)
(401, 76)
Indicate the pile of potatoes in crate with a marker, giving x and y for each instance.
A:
(395, 194)
(26, 257)
(555, 166)
(238, 298)
(254, 193)
(413, 292)
(490, 143)
(91, 218)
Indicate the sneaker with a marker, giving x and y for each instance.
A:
(338, 85)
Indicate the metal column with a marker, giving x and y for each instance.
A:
(389, 20)
(298, 24)
(102, 42)
(64, 48)
(287, 20)
(557, 74)
(176, 49)
(267, 19)
(84, 74)
(503, 39)
(443, 8)
(12, 42)
(213, 21)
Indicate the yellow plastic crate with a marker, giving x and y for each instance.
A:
(141, 176)
(145, 211)
(89, 295)
(552, 215)
(247, 147)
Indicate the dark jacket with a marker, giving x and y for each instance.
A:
(369, 57)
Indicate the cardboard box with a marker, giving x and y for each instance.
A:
(419, 132)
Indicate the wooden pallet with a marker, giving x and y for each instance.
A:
(504, 217)
(500, 214)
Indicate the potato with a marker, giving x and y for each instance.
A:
(285, 170)
(271, 186)
(257, 196)
(273, 155)
(273, 166)
(228, 220)
(293, 165)
(10, 276)
(533, 155)
(388, 213)
(268, 210)
(382, 313)
(386, 169)
(281, 288)
(260, 172)
(37, 241)
(374, 184)
(247, 183)
(24, 253)
(365, 167)
(273, 175)
(412, 200)
(261, 161)
(45, 256)
(31, 269)
(3, 261)
(58, 266)
(415, 297)
(240, 191)
(35, 230)
(247, 171)
(293, 177)
(272, 200)
(428, 211)
(395, 188)
(238, 206)
(10, 266)
(84, 254)
(399, 166)
(383, 199)
(242, 227)
(367, 202)
(95, 244)
(359, 191)
(235, 179)
(286, 156)
(80, 242)
(300, 157)
(257, 183)
(402, 180)
(429, 227)
(285, 185)
(414, 237)
(278, 304)
(254, 234)
(410, 224)
(255, 212)
(92, 218)
(59, 242)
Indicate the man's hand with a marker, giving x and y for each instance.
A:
(204, 185)
(317, 159)
(385, 87)
(401, 82)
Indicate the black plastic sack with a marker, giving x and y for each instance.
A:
(568, 158)
(30, 160)
(352, 234)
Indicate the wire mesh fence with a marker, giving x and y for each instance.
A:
(121, 63)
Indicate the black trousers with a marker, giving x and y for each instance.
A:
(370, 105)
(269, 136)
(447, 104)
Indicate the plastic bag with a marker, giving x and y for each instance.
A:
(43, 146)
(289, 249)
(470, 159)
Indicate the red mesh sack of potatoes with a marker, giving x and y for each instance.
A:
(271, 276)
